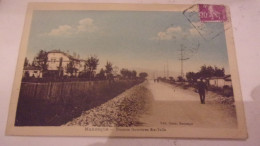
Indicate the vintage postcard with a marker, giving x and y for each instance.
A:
(127, 70)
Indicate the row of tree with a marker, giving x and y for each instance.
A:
(128, 74)
(205, 72)
(39, 61)
(89, 72)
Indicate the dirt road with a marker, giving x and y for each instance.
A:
(174, 106)
(159, 105)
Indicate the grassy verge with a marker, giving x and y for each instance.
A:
(122, 111)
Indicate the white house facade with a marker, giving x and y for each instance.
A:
(32, 71)
(220, 81)
(58, 62)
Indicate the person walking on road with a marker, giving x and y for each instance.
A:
(202, 87)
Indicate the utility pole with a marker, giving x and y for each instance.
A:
(181, 61)
(164, 70)
(183, 58)
(167, 70)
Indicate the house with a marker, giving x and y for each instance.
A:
(220, 81)
(58, 62)
(32, 71)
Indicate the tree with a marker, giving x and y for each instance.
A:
(209, 71)
(180, 79)
(26, 74)
(91, 65)
(109, 67)
(41, 61)
(133, 74)
(101, 74)
(143, 75)
(85, 74)
(171, 79)
(219, 72)
(26, 62)
(34, 62)
(109, 70)
(206, 71)
(191, 77)
(60, 68)
(124, 73)
(71, 69)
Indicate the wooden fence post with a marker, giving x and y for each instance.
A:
(35, 91)
(61, 95)
(50, 91)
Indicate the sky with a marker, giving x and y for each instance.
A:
(136, 40)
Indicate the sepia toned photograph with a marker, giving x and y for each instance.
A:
(127, 70)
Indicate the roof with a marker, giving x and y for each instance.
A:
(226, 78)
(66, 54)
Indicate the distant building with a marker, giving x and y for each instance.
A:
(220, 81)
(32, 71)
(57, 65)
(117, 77)
(58, 62)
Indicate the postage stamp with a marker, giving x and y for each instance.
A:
(204, 17)
(212, 13)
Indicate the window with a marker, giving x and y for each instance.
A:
(53, 60)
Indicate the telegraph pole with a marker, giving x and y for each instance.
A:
(182, 59)
(167, 69)
(164, 70)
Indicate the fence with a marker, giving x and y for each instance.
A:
(55, 103)
(63, 91)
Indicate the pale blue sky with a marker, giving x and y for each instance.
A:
(136, 40)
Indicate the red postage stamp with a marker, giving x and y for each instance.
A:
(212, 13)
